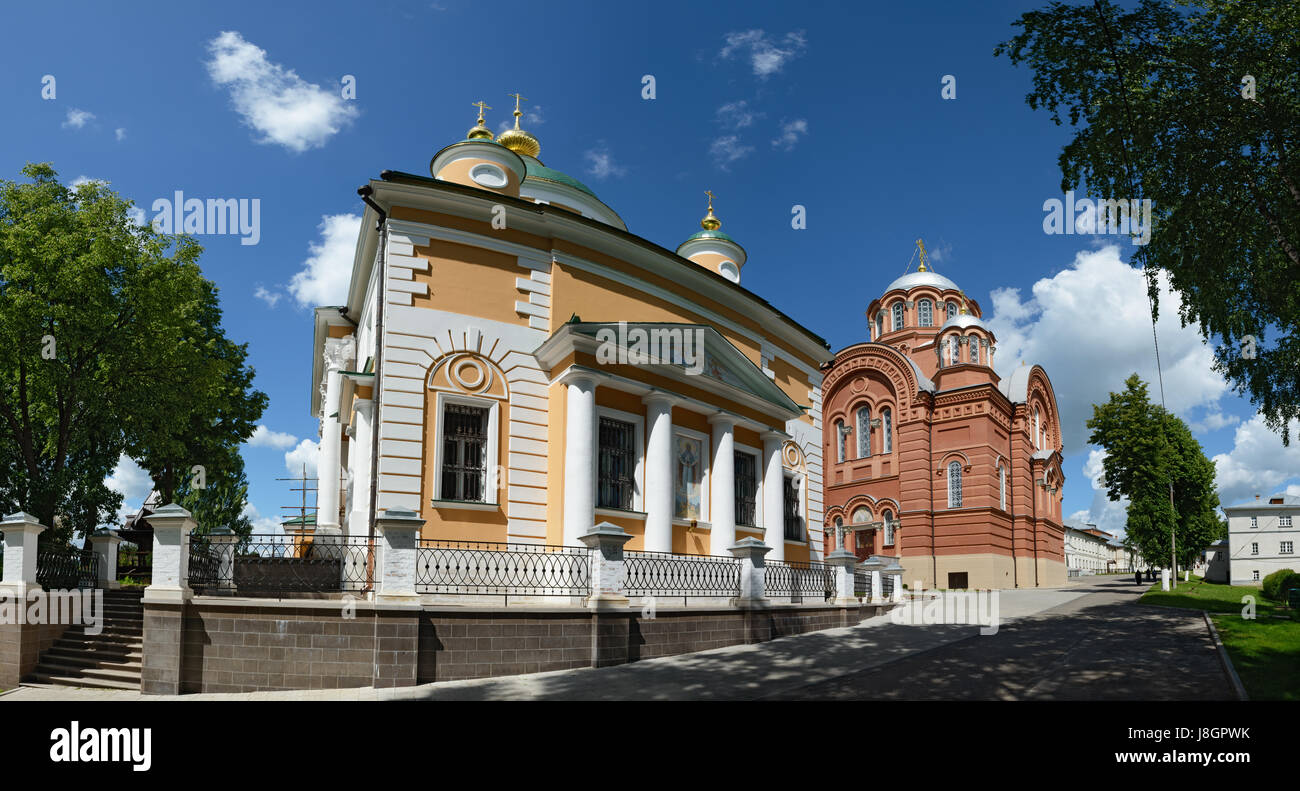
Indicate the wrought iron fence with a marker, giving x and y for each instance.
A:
(264, 563)
(668, 574)
(887, 585)
(861, 583)
(64, 568)
(799, 579)
(500, 569)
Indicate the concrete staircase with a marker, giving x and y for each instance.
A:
(108, 660)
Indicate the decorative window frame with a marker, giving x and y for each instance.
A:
(759, 475)
(638, 443)
(493, 483)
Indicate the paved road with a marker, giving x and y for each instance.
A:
(1085, 641)
(1099, 646)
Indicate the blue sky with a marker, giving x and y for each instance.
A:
(837, 108)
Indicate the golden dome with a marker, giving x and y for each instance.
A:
(710, 222)
(517, 140)
(479, 131)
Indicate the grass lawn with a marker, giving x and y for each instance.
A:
(1265, 651)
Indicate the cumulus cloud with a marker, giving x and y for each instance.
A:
(736, 115)
(264, 437)
(307, 453)
(1089, 326)
(76, 119)
(261, 524)
(274, 101)
(1213, 420)
(324, 277)
(766, 55)
(133, 482)
(137, 215)
(120, 133)
(728, 149)
(1257, 464)
(269, 297)
(601, 164)
(791, 132)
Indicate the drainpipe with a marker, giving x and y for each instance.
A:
(1011, 503)
(934, 551)
(365, 193)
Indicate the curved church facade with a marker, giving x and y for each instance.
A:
(933, 458)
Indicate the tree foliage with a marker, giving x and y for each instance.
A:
(110, 342)
(1196, 108)
(1148, 450)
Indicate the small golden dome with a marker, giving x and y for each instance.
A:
(517, 140)
(479, 131)
(710, 221)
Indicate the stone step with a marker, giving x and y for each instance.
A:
(126, 675)
(90, 658)
(40, 679)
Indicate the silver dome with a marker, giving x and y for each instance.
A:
(914, 279)
(963, 320)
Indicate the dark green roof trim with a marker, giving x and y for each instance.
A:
(711, 235)
(543, 173)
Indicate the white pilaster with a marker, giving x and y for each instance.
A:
(171, 554)
(773, 495)
(722, 490)
(362, 446)
(658, 500)
(338, 353)
(579, 452)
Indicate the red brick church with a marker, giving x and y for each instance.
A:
(933, 458)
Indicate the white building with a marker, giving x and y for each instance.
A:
(1262, 538)
(1087, 550)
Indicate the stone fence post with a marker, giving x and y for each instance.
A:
(608, 570)
(21, 533)
(165, 600)
(223, 541)
(104, 544)
(844, 563)
(753, 571)
(399, 529)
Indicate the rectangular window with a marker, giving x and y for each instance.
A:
(746, 489)
(1254, 522)
(790, 499)
(1254, 549)
(1254, 575)
(1286, 548)
(1284, 521)
(617, 464)
(688, 461)
(464, 452)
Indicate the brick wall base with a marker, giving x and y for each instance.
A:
(21, 646)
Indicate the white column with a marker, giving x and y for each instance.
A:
(579, 455)
(21, 533)
(171, 554)
(606, 566)
(722, 489)
(362, 445)
(328, 469)
(773, 495)
(658, 499)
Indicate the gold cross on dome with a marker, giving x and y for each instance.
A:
(710, 194)
(481, 105)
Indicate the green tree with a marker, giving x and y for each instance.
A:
(110, 342)
(1196, 108)
(1148, 451)
(221, 502)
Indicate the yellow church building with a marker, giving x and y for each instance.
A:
(515, 366)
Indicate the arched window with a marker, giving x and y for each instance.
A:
(886, 431)
(1038, 430)
(839, 534)
(864, 432)
(1002, 486)
(880, 323)
(952, 309)
(954, 351)
(954, 484)
(974, 349)
(927, 313)
(898, 316)
(861, 515)
(841, 438)
(888, 518)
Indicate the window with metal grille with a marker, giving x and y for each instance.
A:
(897, 311)
(790, 495)
(617, 464)
(889, 528)
(746, 489)
(464, 452)
(927, 313)
(954, 485)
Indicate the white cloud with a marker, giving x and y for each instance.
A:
(261, 524)
(77, 119)
(1258, 462)
(1106, 514)
(601, 164)
(532, 117)
(728, 149)
(767, 56)
(736, 115)
(1213, 420)
(307, 452)
(133, 482)
(137, 215)
(79, 180)
(1089, 326)
(791, 131)
(264, 437)
(325, 274)
(269, 297)
(120, 133)
(274, 101)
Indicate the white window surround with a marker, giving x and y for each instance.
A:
(492, 486)
(758, 484)
(638, 444)
(730, 271)
(706, 453)
(489, 175)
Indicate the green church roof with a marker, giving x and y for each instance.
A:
(543, 173)
(711, 235)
